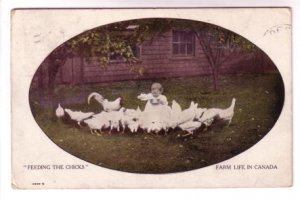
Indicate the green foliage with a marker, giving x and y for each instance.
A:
(117, 40)
(102, 45)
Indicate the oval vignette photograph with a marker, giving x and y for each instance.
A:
(156, 95)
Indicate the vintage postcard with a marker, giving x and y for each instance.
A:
(151, 98)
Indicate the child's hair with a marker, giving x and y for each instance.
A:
(156, 84)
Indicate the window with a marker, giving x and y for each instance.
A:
(183, 43)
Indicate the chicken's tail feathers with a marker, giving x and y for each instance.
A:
(194, 105)
(97, 96)
(232, 103)
(176, 105)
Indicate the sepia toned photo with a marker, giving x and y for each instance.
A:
(152, 96)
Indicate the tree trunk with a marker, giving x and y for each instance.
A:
(215, 79)
(53, 68)
(51, 78)
(81, 74)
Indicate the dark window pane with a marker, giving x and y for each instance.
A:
(184, 36)
(181, 36)
(175, 48)
(182, 48)
(115, 57)
(183, 43)
(175, 36)
(189, 49)
(190, 37)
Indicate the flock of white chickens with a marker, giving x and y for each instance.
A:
(116, 117)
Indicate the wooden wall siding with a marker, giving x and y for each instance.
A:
(70, 73)
(158, 61)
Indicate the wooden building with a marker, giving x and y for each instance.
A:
(174, 54)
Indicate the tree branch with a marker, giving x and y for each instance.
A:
(206, 53)
(228, 56)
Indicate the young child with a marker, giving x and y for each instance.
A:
(155, 99)
(156, 112)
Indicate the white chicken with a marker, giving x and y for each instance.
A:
(175, 114)
(104, 119)
(190, 126)
(78, 116)
(188, 114)
(200, 112)
(218, 114)
(130, 119)
(161, 126)
(125, 120)
(108, 106)
(154, 125)
(97, 123)
(156, 119)
(133, 113)
(131, 123)
(115, 124)
(59, 112)
(133, 126)
(114, 118)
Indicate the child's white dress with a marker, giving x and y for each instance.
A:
(156, 113)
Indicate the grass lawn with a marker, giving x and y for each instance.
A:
(259, 102)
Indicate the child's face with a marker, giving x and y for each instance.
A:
(156, 90)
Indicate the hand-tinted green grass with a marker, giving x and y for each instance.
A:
(259, 102)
